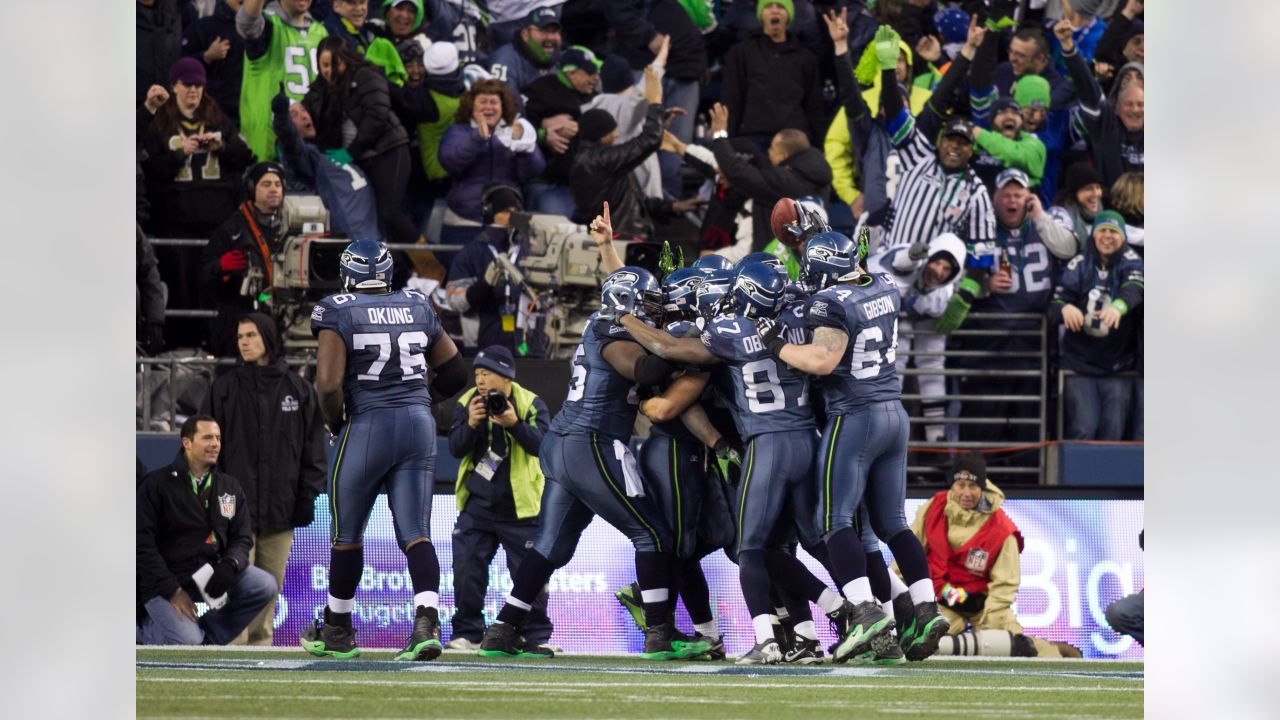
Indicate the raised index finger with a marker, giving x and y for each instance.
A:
(606, 214)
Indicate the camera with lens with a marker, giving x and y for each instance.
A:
(495, 403)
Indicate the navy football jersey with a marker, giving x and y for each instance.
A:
(387, 339)
(869, 315)
(599, 400)
(766, 395)
(676, 428)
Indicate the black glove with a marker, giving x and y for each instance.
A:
(304, 511)
(153, 338)
(224, 573)
(280, 103)
(771, 335)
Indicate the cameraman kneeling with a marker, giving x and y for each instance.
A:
(497, 428)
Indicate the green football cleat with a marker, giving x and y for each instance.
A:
(865, 622)
(424, 643)
(928, 627)
(765, 653)
(325, 640)
(663, 642)
(629, 597)
(503, 640)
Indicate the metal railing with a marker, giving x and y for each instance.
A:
(973, 328)
(149, 366)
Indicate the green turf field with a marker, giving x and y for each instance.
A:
(199, 683)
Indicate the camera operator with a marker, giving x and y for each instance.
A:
(235, 269)
(479, 290)
(497, 428)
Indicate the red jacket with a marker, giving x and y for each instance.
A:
(967, 566)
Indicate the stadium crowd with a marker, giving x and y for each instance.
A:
(989, 152)
(1013, 129)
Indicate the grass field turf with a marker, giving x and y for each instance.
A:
(206, 683)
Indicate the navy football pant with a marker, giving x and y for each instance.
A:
(863, 460)
(674, 471)
(392, 449)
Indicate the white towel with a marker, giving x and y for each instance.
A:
(630, 473)
(201, 578)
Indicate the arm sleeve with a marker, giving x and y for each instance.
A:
(812, 101)
(1111, 45)
(1067, 291)
(292, 149)
(625, 157)
(530, 430)
(376, 102)
(746, 178)
(311, 481)
(152, 571)
(1132, 288)
(150, 287)
(239, 535)
(1026, 153)
(462, 438)
(459, 148)
(1087, 90)
(414, 104)
(1060, 241)
(1005, 577)
(837, 148)
(982, 80)
(630, 26)
(982, 216)
(733, 90)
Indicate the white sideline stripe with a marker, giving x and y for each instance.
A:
(436, 682)
(959, 659)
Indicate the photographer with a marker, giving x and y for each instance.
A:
(497, 428)
(488, 303)
(235, 268)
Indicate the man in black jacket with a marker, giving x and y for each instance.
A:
(553, 104)
(235, 267)
(275, 445)
(194, 542)
(771, 81)
(796, 169)
(602, 168)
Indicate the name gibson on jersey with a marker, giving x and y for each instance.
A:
(879, 306)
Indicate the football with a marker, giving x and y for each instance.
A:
(785, 213)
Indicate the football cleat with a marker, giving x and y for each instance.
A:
(503, 640)
(716, 645)
(325, 640)
(928, 627)
(804, 652)
(424, 643)
(864, 622)
(629, 598)
(765, 653)
(885, 650)
(461, 643)
(662, 642)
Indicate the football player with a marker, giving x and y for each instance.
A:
(375, 348)
(590, 471)
(864, 443)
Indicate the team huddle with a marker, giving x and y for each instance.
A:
(776, 424)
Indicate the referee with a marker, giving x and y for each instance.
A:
(938, 191)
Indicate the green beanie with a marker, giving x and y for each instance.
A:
(786, 5)
(1031, 89)
(1111, 219)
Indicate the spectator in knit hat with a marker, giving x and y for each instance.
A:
(1079, 201)
(1095, 301)
(1114, 126)
(532, 53)
(499, 489)
(602, 168)
(999, 139)
(1052, 127)
(553, 103)
(192, 157)
(771, 80)
(1029, 55)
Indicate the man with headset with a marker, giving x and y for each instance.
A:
(235, 268)
(492, 306)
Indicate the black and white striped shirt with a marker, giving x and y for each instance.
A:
(930, 201)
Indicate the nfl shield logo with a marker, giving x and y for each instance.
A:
(227, 505)
(976, 561)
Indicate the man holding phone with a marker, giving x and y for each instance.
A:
(497, 428)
